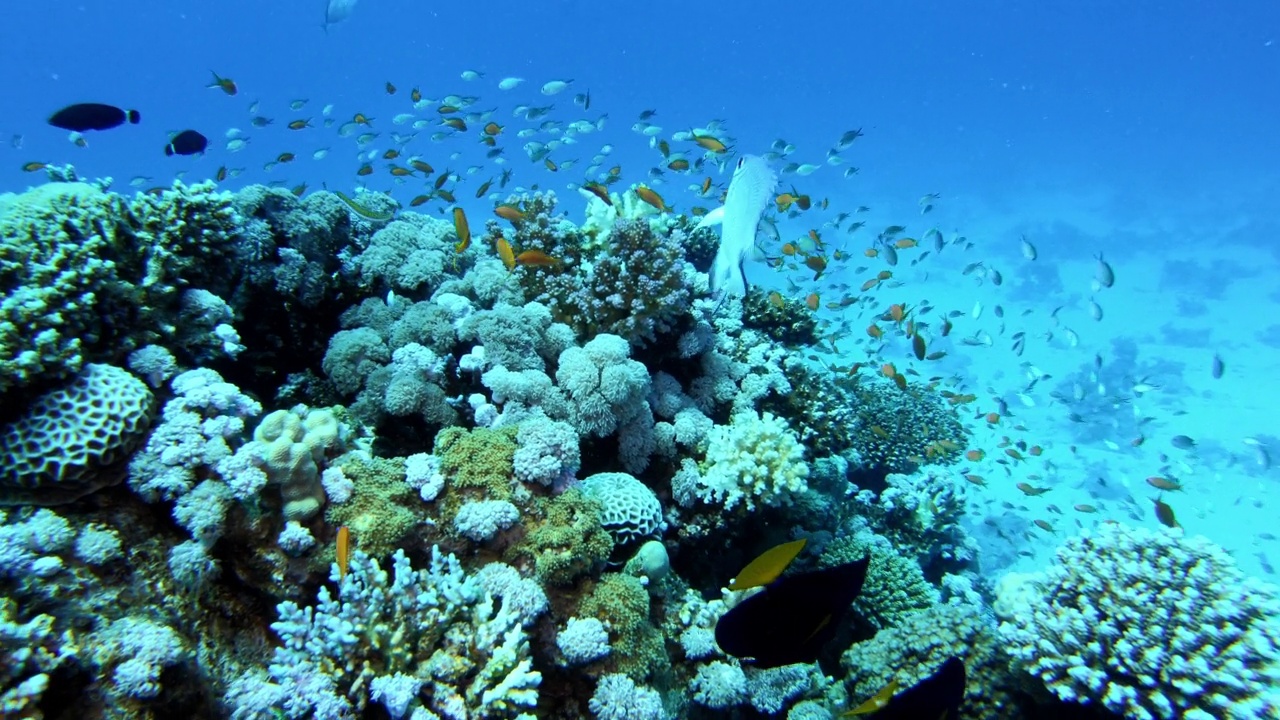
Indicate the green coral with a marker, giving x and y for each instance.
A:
(383, 508)
(900, 430)
(482, 459)
(787, 321)
(622, 603)
(921, 642)
(895, 584)
(564, 537)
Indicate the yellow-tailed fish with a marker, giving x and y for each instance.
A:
(766, 568)
(361, 210)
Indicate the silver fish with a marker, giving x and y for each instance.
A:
(335, 11)
(1028, 250)
(1103, 273)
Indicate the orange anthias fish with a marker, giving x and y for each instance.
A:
(536, 258)
(652, 198)
(509, 212)
(344, 551)
(462, 229)
(506, 253)
(226, 85)
(707, 142)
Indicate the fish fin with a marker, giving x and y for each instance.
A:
(715, 217)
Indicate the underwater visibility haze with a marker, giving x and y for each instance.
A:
(383, 359)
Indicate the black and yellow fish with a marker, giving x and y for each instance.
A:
(792, 617)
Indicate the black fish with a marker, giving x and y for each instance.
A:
(936, 697)
(92, 116)
(792, 618)
(187, 142)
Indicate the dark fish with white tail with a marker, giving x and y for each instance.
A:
(83, 117)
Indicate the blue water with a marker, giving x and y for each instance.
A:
(1141, 133)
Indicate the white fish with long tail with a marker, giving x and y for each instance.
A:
(750, 191)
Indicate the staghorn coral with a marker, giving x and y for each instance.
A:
(467, 655)
(1148, 623)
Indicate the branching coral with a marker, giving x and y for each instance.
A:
(1150, 624)
(83, 272)
(637, 287)
(465, 654)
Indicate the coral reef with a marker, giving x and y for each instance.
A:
(575, 442)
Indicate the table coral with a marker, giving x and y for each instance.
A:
(1150, 624)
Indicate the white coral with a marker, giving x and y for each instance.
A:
(1167, 625)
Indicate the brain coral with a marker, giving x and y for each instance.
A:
(629, 509)
(57, 451)
(1148, 623)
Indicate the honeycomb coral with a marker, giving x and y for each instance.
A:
(57, 451)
